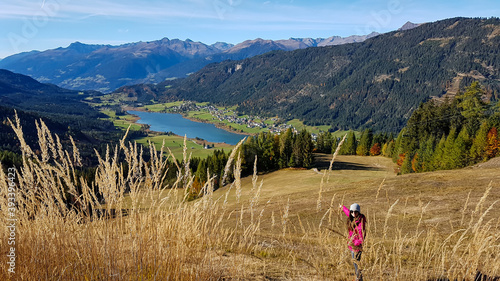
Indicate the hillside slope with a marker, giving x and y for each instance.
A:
(23, 92)
(375, 84)
(402, 212)
(62, 110)
(299, 232)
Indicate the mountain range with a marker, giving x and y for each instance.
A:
(374, 84)
(105, 68)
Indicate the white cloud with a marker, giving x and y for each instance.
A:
(84, 9)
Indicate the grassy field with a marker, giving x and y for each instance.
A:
(284, 225)
(176, 145)
(297, 124)
(159, 107)
(404, 213)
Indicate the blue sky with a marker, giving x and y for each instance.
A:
(45, 24)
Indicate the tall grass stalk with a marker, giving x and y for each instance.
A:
(130, 225)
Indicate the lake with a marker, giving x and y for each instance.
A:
(175, 123)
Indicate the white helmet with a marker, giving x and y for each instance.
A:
(355, 207)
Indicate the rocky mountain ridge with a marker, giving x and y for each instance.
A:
(106, 67)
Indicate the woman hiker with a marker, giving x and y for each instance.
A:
(356, 223)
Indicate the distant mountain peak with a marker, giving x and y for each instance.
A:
(82, 47)
(222, 45)
(409, 25)
(79, 45)
(76, 43)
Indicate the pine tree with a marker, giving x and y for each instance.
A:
(426, 153)
(478, 148)
(448, 161)
(416, 164)
(437, 157)
(201, 171)
(335, 143)
(308, 149)
(248, 151)
(302, 150)
(291, 161)
(391, 148)
(349, 147)
(266, 156)
(328, 143)
(320, 142)
(388, 152)
(285, 149)
(276, 151)
(406, 165)
(365, 141)
(461, 146)
(398, 147)
(384, 149)
(472, 106)
(471, 103)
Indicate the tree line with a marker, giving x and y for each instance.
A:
(267, 151)
(450, 134)
(439, 135)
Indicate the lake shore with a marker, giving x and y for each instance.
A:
(174, 126)
(216, 124)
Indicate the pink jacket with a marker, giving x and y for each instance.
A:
(356, 237)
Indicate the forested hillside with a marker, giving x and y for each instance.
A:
(375, 84)
(62, 110)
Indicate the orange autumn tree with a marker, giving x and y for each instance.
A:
(492, 143)
(416, 166)
(401, 159)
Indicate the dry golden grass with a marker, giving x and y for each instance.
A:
(280, 226)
